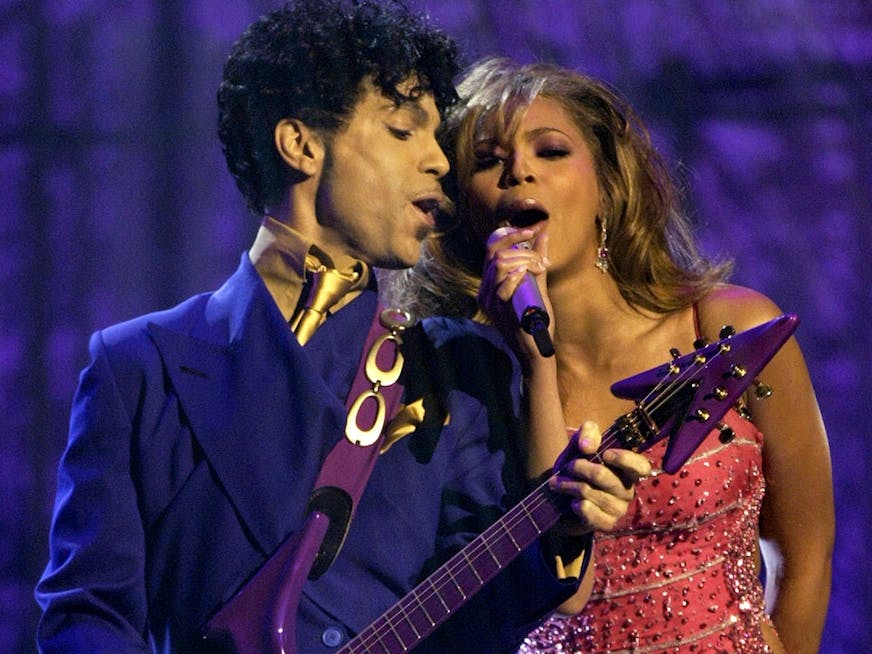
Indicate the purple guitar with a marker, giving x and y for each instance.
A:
(682, 400)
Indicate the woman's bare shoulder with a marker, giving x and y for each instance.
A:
(738, 306)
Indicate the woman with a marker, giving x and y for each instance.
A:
(583, 203)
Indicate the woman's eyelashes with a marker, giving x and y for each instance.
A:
(551, 146)
(553, 152)
(488, 159)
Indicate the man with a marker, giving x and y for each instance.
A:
(197, 434)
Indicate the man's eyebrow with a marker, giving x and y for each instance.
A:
(419, 114)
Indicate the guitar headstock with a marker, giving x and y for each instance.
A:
(686, 398)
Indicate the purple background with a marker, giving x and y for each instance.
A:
(114, 199)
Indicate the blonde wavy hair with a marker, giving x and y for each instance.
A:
(653, 256)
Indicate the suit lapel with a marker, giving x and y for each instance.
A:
(260, 411)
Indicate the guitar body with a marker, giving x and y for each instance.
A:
(261, 617)
(682, 400)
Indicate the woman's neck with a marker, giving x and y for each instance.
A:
(590, 313)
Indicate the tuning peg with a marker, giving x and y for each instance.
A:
(726, 331)
(674, 352)
(720, 393)
(726, 433)
(744, 412)
(702, 415)
(738, 371)
(761, 390)
(700, 343)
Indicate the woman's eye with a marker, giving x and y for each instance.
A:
(553, 153)
(485, 162)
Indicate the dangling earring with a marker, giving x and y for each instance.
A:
(602, 252)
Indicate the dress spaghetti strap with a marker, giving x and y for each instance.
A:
(696, 329)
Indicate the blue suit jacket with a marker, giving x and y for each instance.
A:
(196, 436)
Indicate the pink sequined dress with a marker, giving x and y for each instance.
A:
(678, 572)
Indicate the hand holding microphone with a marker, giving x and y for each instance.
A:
(527, 302)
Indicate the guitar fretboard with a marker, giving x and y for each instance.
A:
(432, 602)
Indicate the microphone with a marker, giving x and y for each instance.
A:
(529, 307)
(530, 310)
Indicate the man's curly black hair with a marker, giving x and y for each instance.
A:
(307, 61)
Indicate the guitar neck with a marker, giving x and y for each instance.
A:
(430, 603)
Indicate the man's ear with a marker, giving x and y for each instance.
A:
(299, 146)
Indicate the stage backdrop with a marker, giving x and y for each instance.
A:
(114, 200)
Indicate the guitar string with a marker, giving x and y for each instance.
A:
(676, 384)
(517, 515)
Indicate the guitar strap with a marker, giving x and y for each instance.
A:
(374, 395)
